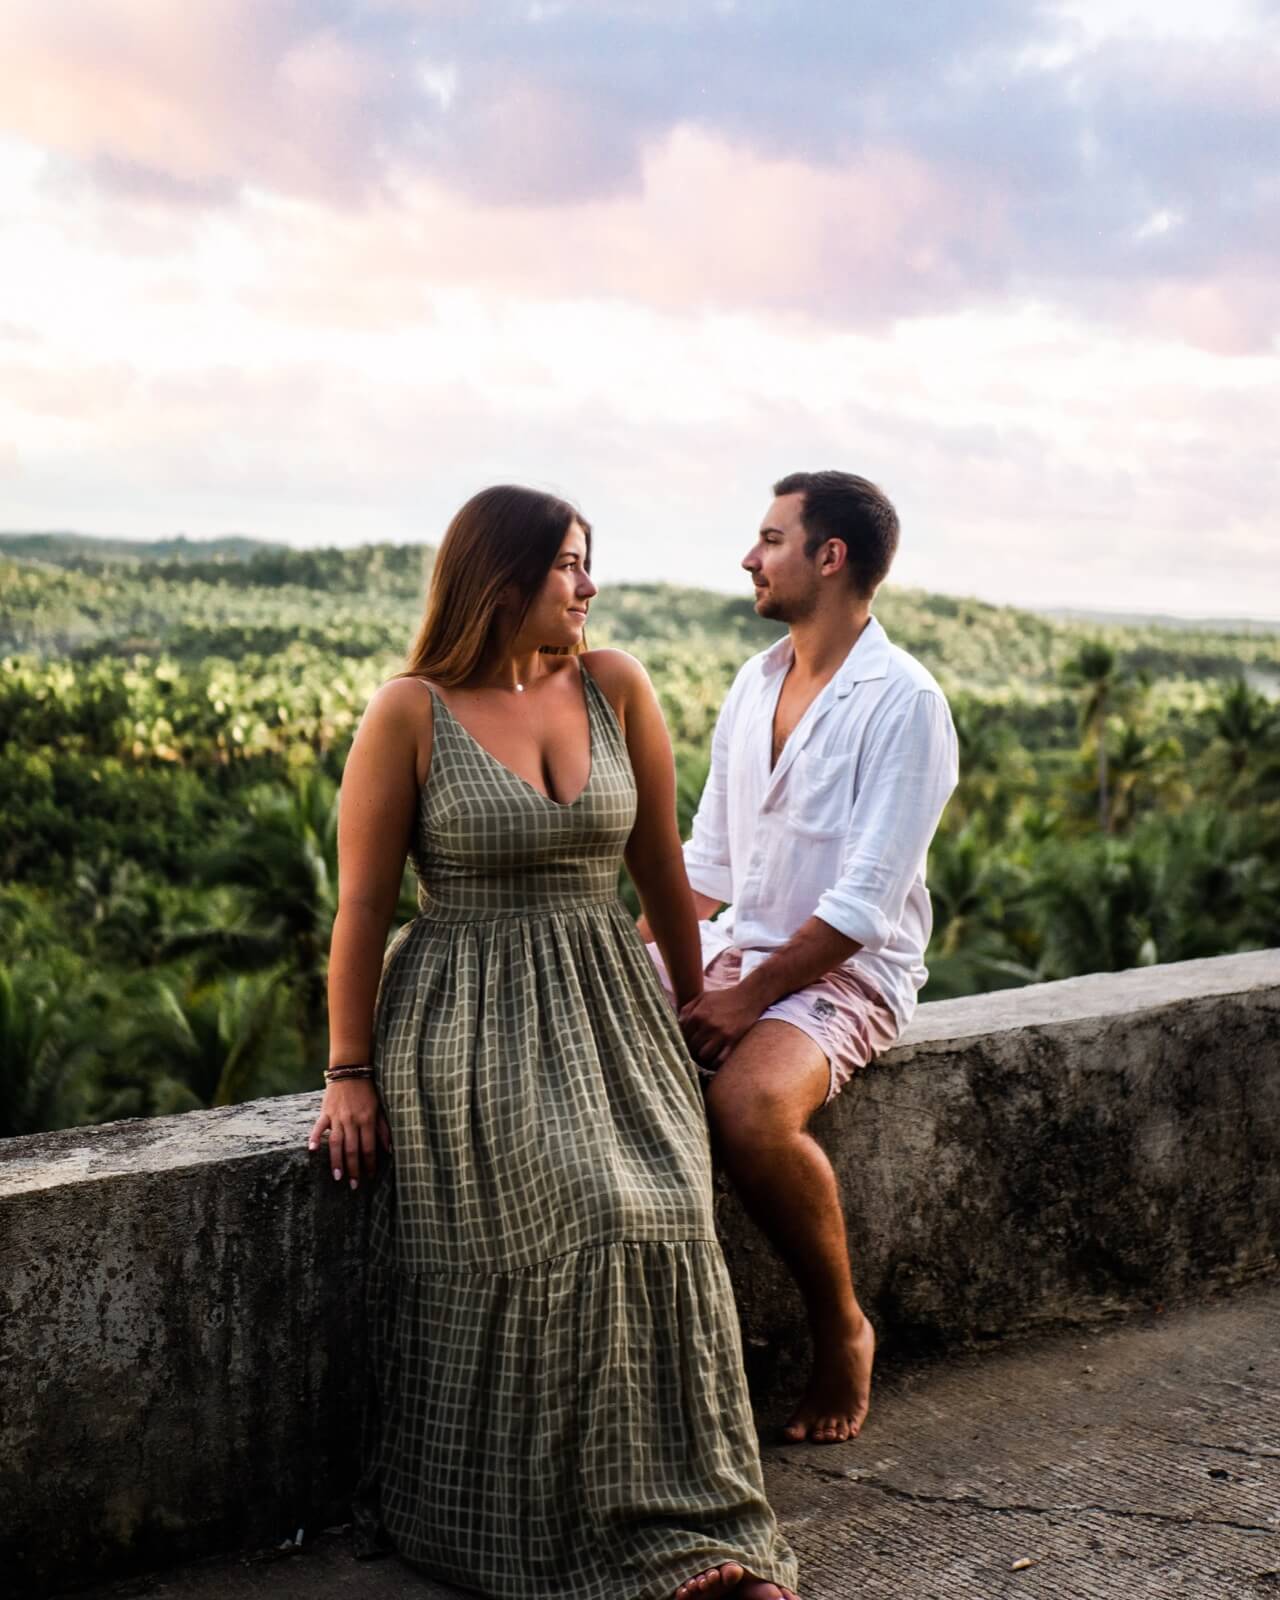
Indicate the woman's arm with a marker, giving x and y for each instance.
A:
(379, 794)
(705, 907)
(653, 854)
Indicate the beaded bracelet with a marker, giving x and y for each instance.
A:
(353, 1070)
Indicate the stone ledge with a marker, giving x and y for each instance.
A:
(1040, 1156)
(181, 1331)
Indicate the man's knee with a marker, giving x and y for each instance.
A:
(745, 1113)
(768, 1088)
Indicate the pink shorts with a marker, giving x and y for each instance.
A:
(844, 1016)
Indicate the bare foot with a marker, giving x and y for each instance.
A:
(762, 1589)
(715, 1580)
(731, 1575)
(835, 1404)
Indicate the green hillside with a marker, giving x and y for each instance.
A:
(174, 719)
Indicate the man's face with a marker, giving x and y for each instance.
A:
(785, 579)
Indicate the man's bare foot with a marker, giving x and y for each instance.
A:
(732, 1575)
(835, 1404)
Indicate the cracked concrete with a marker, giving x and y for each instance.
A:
(181, 1312)
(1087, 1463)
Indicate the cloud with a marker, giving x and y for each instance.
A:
(1031, 461)
(854, 162)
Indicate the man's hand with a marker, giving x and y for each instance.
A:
(714, 1022)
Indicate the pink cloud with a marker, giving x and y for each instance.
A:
(155, 97)
(365, 186)
(711, 226)
(1234, 314)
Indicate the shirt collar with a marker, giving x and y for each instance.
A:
(868, 658)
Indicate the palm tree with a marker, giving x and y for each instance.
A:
(282, 861)
(213, 1044)
(1097, 904)
(118, 904)
(1242, 720)
(972, 884)
(1137, 765)
(1094, 671)
(42, 1045)
(1245, 727)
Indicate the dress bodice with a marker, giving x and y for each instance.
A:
(488, 844)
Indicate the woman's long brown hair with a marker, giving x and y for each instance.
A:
(503, 537)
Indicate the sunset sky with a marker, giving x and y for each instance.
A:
(317, 271)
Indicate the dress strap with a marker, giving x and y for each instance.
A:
(601, 712)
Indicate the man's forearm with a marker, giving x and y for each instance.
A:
(809, 954)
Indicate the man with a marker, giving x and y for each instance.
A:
(832, 759)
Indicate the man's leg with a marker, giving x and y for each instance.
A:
(759, 1104)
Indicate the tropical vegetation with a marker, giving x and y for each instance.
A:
(174, 721)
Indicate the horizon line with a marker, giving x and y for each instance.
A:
(1118, 614)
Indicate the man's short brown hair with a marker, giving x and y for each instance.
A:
(841, 505)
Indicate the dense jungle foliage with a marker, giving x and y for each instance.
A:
(173, 724)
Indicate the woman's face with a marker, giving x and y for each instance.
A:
(559, 610)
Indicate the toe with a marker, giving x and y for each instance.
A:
(711, 1584)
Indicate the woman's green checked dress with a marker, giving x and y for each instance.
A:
(557, 1405)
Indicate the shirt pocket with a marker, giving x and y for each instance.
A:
(819, 797)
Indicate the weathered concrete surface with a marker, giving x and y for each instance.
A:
(180, 1318)
(1041, 1155)
(1131, 1462)
(179, 1298)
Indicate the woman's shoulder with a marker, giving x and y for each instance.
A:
(622, 680)
(401, 710)
(399, 724)
(614, 669)
(401, 696)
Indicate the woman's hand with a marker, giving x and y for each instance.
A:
(353, 1117)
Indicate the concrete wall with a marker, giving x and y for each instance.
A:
(180, 1334)
(1046, 1155)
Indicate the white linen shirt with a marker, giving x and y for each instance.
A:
(841, 827)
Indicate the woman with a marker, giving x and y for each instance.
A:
(557, 1405)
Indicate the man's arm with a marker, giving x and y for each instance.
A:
(910, 771)
(706, 855)
(911, 767)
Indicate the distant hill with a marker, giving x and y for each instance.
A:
(68, 549)
(1154, 619)
(72, 596)
(234, 559)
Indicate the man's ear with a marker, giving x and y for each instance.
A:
(835, 556)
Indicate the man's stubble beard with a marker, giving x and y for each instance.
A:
(796, 609)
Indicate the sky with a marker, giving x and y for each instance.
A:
(317, 271)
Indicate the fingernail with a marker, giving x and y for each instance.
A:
(355, 1183)
(311, 1144)
(337, 1174)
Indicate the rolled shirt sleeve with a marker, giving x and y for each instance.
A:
(706, 855)
(911, 768)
